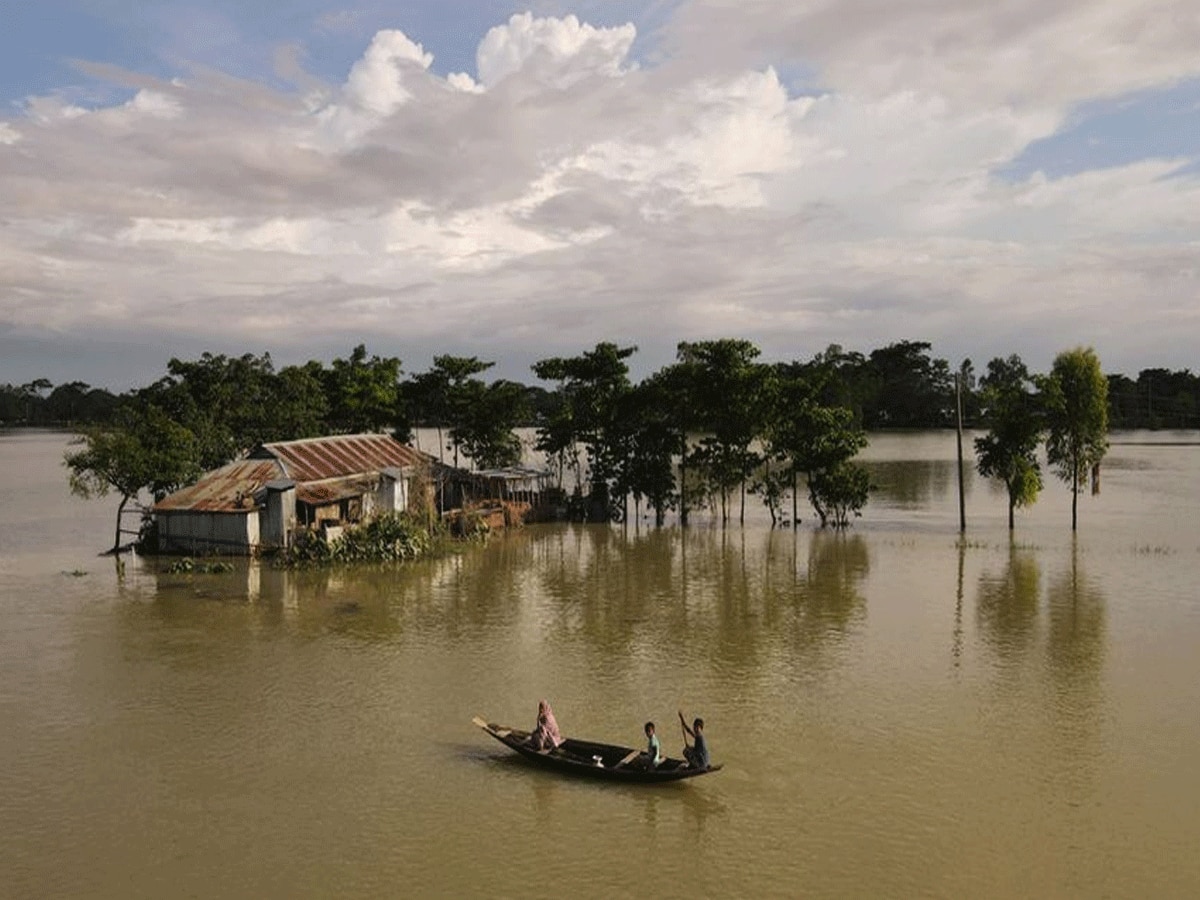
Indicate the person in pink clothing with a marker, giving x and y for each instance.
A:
(546, 735)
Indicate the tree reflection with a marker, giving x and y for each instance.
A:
(915, 484)
(1077, 641)
(1006, 605)
(727, 596)
(837, 564)
(1075, 655)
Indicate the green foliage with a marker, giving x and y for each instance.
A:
(1075, 394)
(839, 492)
(143, 450)
(650, 414)
(908, 388)
(729, 391)
(485, 421)
(461, 398)
(388, 538)
(481, 417)
(1158, 398)
(189, 566)
(773, 486)
(592, 386)
(363, 393)
(395, 537)
(1009, 450)
(40, 403)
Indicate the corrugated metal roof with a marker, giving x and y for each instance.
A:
(318, 493)
(319, 459)
(230, 488)
(343, 465)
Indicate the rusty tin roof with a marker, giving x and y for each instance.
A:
(230, 488)
(346, 464)
(319, 459)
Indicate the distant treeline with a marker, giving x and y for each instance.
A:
(897, 386)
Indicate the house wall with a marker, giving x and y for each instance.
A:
(392, 494)
(278, 520)
(187, 531)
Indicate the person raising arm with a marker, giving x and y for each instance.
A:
(697, 754)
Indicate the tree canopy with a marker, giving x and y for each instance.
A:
(1076, 401)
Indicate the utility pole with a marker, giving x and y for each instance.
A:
(962, 503)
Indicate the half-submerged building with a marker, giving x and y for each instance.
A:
(256, 503)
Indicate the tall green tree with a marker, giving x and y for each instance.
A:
(838, 492)
(652, 413)
(143, 450)
(819, 441)
(363, 392)
(729, 389)
(462, 397)
(591, 385)
(1075, 394)
(486, 422)
(1008, 451)
(910, 388)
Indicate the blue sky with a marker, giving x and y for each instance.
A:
(515, 180)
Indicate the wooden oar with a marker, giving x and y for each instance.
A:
(499, 732)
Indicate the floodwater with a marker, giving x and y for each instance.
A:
(900, 713)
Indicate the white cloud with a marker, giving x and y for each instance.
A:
(558, 51)
(562, 195)
(377, 81)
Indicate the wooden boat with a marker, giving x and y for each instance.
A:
(588, 758)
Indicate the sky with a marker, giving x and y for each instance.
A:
(519, 181)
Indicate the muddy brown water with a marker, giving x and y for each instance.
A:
(900, 713)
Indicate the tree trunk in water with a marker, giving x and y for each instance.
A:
(795, 491)
(1074, 491)
(683, 510)
(120, 511)
(1074, 505)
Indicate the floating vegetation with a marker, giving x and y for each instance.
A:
(189, 566)
(1148, 550)
(76, 573)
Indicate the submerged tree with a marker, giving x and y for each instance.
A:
(729, 389)
(819, 441)
(143, 450)
(838, 492)
(651, 412)
(1009, 450)
(486, 417)
(591, 386)
(1076, 400)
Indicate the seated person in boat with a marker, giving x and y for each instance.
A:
(697, 753)
(653, 755)
(545, 736)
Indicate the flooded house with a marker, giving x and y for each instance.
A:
(256, 503)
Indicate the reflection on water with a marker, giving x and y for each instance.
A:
(1076, 649)
(734, 592)
(1007, 604)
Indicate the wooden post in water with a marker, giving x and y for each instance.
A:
(962, 503)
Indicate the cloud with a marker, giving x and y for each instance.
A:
(376, 82)
(558, 50)
(798, 174)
